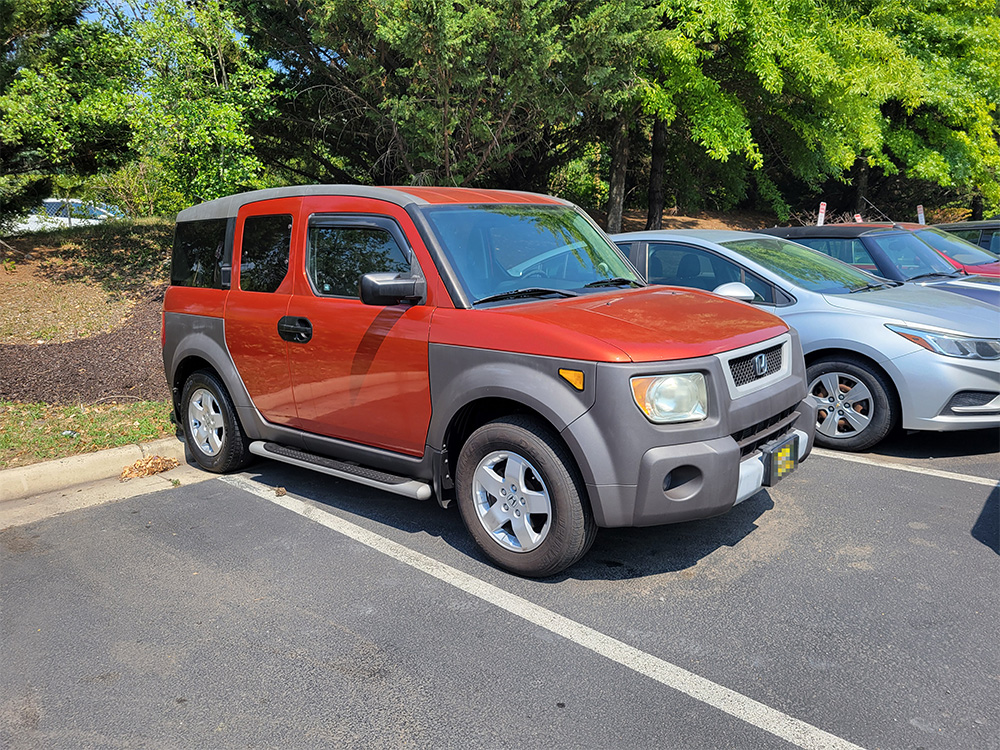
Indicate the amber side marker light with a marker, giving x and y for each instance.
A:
(573, 377)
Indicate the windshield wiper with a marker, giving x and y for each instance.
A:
(867, 288)
(614, 281)
(934, 274)
(530, 291)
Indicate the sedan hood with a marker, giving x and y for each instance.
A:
(923, 306)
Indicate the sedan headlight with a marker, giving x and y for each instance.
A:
(950, 344)
(671, 398)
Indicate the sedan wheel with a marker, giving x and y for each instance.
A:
(856, 404)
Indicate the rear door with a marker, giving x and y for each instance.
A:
(258, 300)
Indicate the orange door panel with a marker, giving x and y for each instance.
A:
(263, 251)
(363, 375)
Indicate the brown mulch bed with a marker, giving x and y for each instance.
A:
(122, 365)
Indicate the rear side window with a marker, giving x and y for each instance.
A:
(267, 241)
(199, 249)
(338, 256)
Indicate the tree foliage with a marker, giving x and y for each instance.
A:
(801, 92)
(62, 93)
(197, 88)
(395, 91)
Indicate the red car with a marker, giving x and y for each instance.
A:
(492, 348)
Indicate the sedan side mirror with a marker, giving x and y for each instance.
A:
(389, 289)
(735, 290)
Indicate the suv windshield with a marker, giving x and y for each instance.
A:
(804, 267)
(956, 248)
(527, 249)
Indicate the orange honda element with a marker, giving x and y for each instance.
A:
(488, 347)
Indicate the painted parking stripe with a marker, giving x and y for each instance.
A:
(854, 458)
(735, 704)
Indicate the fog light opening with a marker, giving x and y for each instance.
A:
(682, 483)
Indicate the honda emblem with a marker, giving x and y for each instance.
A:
(760, 365)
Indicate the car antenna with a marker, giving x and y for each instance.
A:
(865, 199)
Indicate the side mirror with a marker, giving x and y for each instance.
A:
(389, 289)
(735, 290)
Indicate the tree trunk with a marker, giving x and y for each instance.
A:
(977, 207)
(619, 169)
(861, 187)
(654, 214)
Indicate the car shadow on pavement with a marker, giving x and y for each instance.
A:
(939, 444)
(625, 553)
(618, 554)
(987, 526)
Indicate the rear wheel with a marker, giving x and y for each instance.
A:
(521, 497)
(211, 428)
(857, 408)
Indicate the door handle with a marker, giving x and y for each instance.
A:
(295, 330)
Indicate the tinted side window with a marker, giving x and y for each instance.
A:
(763, 292)
(994, 241)
(338, 256)
(198, 253)
(969, 235)
(267, 241)
(680, 265)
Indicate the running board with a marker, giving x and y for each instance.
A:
(351, 472)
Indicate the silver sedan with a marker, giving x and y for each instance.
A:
(879, 354)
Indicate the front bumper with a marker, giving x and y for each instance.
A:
(641, 474)
(932, 387)
(690, 481)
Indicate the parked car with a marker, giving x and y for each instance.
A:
(879, 354)
(489, 347)
(985, 233)
(904, 252)
(893, 252)
(56, 213)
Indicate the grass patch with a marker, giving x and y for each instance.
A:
(30, 433)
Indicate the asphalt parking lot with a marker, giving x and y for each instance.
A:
(853, 605)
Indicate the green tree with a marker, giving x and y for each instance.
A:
(62, 97)
(198, 89)
(487, 92)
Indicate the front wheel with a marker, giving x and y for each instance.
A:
(521, 497)
(211, 428)
(857, 408)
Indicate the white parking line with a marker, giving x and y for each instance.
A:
(905, 467)
(735, 704)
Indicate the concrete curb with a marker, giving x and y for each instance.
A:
(50, 476)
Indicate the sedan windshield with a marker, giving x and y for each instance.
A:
(913, 257)
(804, 267)
(956, 248)
(526, 251)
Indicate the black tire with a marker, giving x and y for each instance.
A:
(564, 533)
(845, 424)
(212, 430)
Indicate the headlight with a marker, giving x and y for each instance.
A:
(671, 398)
(950, 344)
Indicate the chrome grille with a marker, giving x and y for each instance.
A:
(744, 369)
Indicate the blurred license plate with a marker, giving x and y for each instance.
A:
(780, 459)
